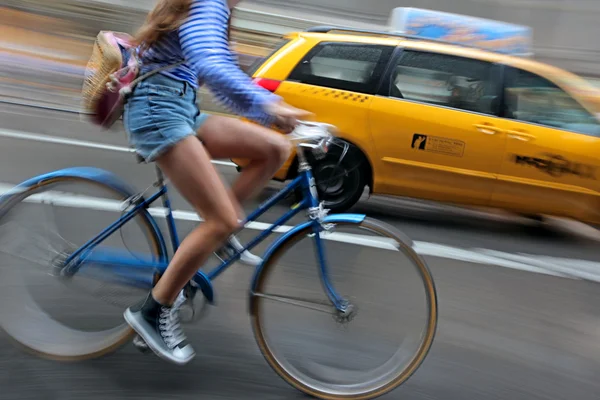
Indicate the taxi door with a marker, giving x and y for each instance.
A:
(436, 130)
(551, 162)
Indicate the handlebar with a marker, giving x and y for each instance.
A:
(315, 136)
(307, 131)
(318, 138)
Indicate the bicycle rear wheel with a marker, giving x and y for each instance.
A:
(52, 315)
(316, 355)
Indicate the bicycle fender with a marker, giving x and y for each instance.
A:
(87, 173)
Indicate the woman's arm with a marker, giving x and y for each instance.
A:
(204, 43)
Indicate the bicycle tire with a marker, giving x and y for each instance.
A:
(401, 377)
(111, 184)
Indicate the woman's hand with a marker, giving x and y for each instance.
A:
(286, 116)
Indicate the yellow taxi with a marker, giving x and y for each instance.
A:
(446, 122)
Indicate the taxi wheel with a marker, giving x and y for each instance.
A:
(340, 184)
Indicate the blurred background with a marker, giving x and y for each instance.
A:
(519, 297)
(56, 37)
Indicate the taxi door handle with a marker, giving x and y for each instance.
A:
(522, 136)
(487, 129)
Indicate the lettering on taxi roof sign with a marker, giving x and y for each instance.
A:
(440, 145)
(486, 34)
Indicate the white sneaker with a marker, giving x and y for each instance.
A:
(139, 343)
(232, 246)
(159, 327)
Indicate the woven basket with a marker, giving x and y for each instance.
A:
(106, 59)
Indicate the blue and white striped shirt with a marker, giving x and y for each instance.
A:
(202, 43)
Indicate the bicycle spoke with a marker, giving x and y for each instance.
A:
(37, 245)
(325, 306)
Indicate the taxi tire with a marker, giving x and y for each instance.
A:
(354, 165)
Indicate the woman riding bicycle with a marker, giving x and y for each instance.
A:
(164, 124)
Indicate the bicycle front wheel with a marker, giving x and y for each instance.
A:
(361, 355)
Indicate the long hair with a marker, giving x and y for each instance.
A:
(167, 16)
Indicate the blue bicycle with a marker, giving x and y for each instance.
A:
(87, 258)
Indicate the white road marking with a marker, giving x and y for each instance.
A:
(481, 257)
(7, 133)
(61, 140)
(541, 262)
(546, 265)
(103, 204)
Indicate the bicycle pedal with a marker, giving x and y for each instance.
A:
(140, 344)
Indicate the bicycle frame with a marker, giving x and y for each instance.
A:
(126, 265)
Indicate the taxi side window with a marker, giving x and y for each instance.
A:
(533, 99)
(344, 66)
(445, 80)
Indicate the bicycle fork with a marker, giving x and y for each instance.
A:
(345, 309)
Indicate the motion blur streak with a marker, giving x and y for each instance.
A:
(519, 315)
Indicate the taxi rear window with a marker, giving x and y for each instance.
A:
(260, 61)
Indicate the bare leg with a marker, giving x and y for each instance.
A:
(188, 167)
(232, 138)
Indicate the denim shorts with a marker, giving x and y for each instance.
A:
(159, 113)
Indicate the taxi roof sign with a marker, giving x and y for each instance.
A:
(485, 34)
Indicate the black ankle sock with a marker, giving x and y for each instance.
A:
(150, 307)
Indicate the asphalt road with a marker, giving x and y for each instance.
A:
(516, 321)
